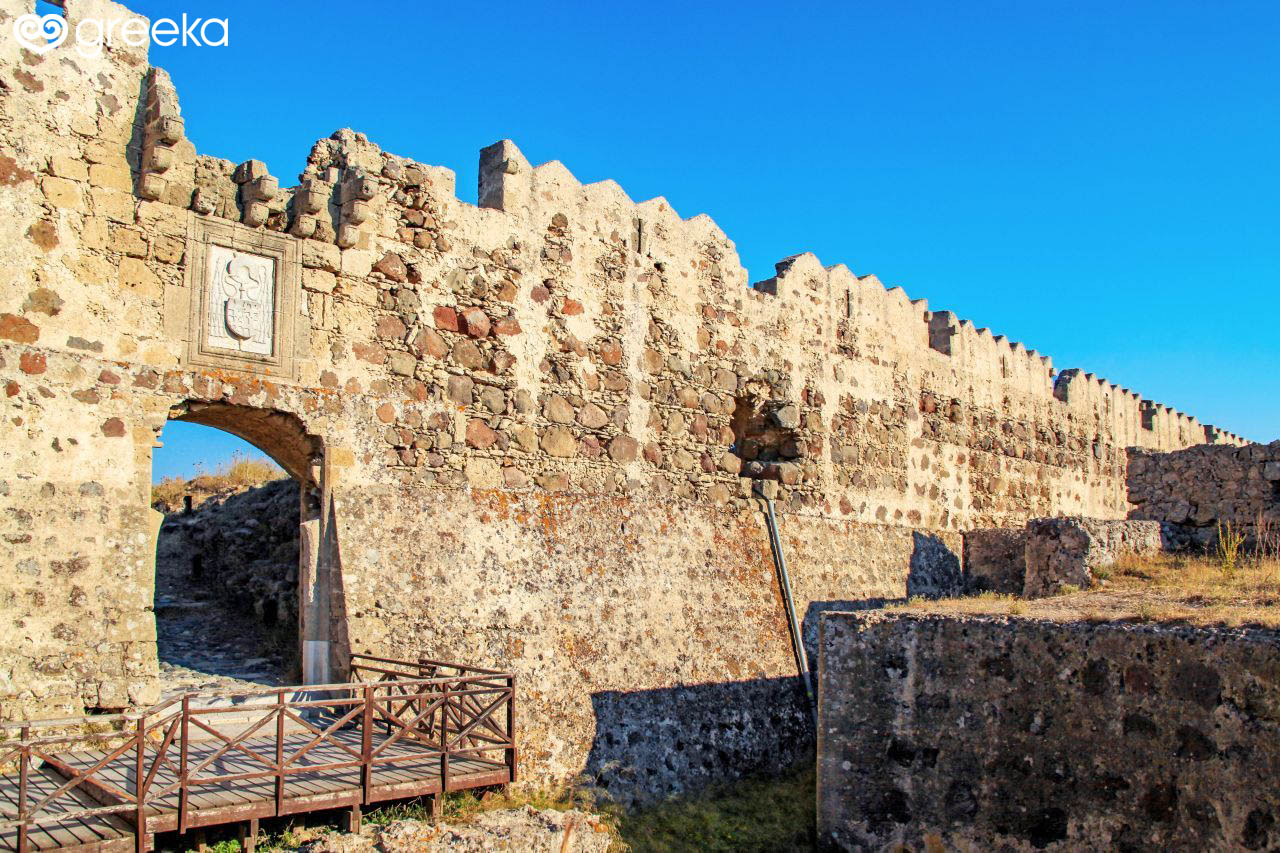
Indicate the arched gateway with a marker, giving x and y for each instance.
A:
(284, 439)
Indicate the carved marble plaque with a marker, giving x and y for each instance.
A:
(239, 306)
(240, 301)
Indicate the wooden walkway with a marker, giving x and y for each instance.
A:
(419, 729)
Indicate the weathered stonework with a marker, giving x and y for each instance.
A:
(1064, 552)
(526, 431)
(246, 544)
(1196, 489)
(970, 733)
(995, 560)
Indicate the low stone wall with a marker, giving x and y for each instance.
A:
(1051, 552)
(994, 560)
(941, 732)
(1197, 488)
(1067, 551)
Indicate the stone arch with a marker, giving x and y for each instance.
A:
(280, 435)
(284, 437)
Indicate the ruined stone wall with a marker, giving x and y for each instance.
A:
(995, 560)
(243, 545)
(1067, 552)
(1197, 488)
(520, 426)
(941, 732)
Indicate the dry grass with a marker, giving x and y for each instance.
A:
(1167, 588)
(1266, 537)
(237, 472)
(1228, 547)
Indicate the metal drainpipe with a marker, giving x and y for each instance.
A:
(784, 581)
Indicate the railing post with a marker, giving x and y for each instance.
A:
(511, 726)
(366, 743)
(279, 753)
(140, 816)
(182, 766)
(444, 739)
(423, 693)
(23, 772)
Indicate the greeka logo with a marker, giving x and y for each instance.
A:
(43, 33)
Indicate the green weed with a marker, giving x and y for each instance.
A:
(748, 815)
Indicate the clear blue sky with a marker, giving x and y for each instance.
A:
(187, 450)
(1100, 181)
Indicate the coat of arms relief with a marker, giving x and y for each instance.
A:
(240, 301)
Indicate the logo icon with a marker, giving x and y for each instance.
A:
(40, 34)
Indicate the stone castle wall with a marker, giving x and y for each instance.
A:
(1196, 489)
(954, 732)
(520, 426)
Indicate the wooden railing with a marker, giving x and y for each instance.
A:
(175, 749)
(126, 739)
(461, 710)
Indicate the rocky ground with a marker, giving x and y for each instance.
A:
(226, 583)
(524, 829)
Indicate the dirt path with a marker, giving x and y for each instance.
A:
(204, 641)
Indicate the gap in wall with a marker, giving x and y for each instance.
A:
(226, 585)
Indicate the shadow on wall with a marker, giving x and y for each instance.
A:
(654, 744)
(339, 633)
(934, 570)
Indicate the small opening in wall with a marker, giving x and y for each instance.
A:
(764, 435)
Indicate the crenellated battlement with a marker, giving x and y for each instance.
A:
(349, 182)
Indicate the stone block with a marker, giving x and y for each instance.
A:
(168, 250)
(558, 410)
(62, 193)
(111, 177)
(128, 241)
(324, 256)
(592, 416)
(469, 356)
(559, 441)
(135, 275)
(318, 280)
(71, 168)
(995, 560)
(402, 363)
(392, 266)
(480, 435)
(623, 449)
(113, 204)
(1067, 551)
(445, 318)
(19, 329)
(474, 322)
